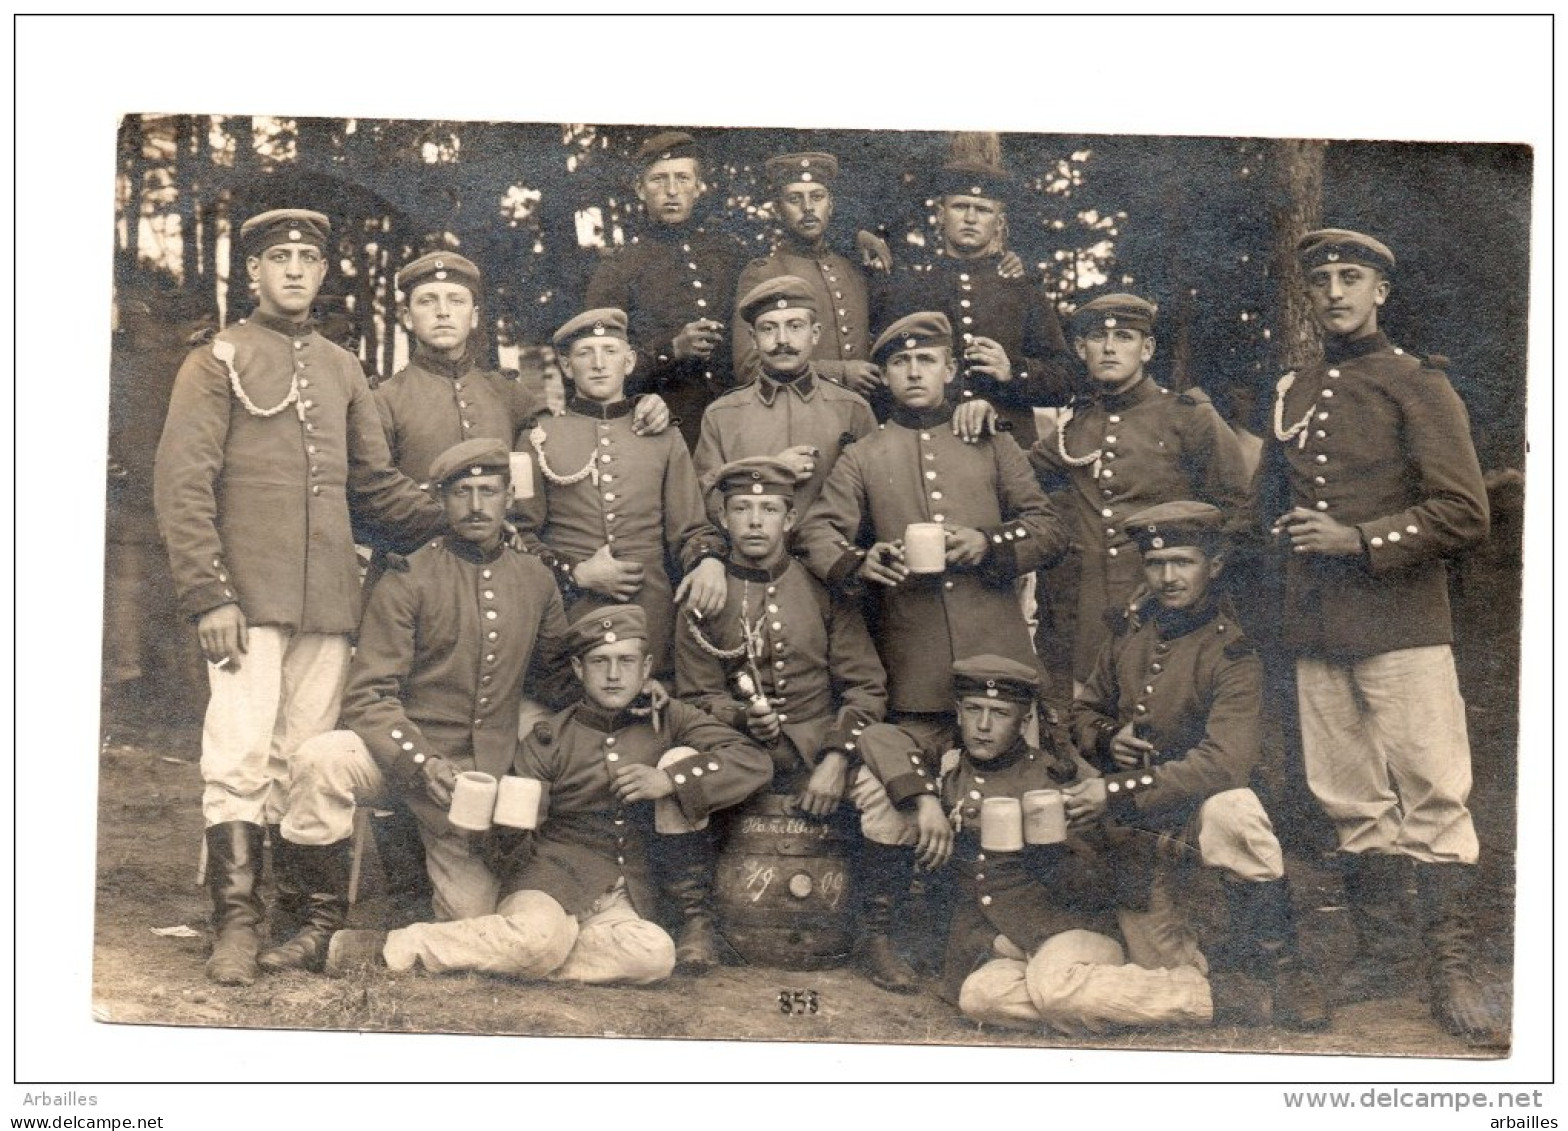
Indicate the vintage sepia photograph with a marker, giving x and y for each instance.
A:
(970, 587)
(605, 582)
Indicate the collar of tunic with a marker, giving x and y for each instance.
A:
(752, 573)
(770, 385)
(471, 551)
(1116, 402)
(281, 325)
(594, 716)
(1171, 624)
(930, 417)
(1019, 750)
(1336, 350)
(582, 406)
(432, 362)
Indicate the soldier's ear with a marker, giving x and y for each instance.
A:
(791, 516)
(1380, 295)
(577, 668)
(406, 319)
(816, 332)
(253, 267)
(1081, 348)
(1148, 347)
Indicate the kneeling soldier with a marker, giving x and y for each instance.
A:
(1171, 714)
(576, 893)
(783, 662)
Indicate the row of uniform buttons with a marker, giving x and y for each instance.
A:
(462, 408)
(612, 756)
(1106, 492)
(306, 404)
(223, 576)
(606, 479)
(696, 284)
(780, 649)
(1320, 433)
(492, 614)
(936, 490)
(847, 346)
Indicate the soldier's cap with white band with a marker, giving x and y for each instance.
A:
(973, 178)
(668, 145)
(756, 475)
(1183, 523)
(801, 168)
(1341, 245)
(438, 267)
(1108, 312)
(470, 460)
(927, 328)
(995, 677)
(609, 625)
(785, 292)
(605, 322)
(285, 225)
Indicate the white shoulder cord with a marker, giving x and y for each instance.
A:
(223, 350)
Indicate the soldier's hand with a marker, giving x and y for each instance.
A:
(651, 416)
(224, 636)
(987, 357)
(1010, 266)
(630, 782)
(1128, 749)
(440, 779)
(973, 419)
(1085, 802)
(862, 377)
(802, 460)
(762, 723)
(884, 564)
(826, 788)
(698, 339)
(875, 255)
(934, 834)
(1313, 532)
(966, 546)
(608, 576)
(704, 587)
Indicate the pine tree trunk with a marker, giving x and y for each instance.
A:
(1297, 209)
(187, 187)
(135, 166)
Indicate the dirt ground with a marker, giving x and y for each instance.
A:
(149, 833)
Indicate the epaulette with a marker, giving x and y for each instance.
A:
(845, 439)
(202, 336)
(1193, 395)
(760, 261)
(1236, 643)
(1435, 361)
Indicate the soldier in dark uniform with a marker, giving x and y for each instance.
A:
(787, 411)
(1373, 458)
(997, 525)
(271, 441)
(1032, 941)
(576, 896)
(1171, 715)
(1128, 445)
(676, 282)
(446, 649)
(782, 662)
(1012, 352)
(618, 516)
(802, 185)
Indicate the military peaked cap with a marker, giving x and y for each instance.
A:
(801, 168)
(606, 626)
(605, 322)
(438, 267)
(927, 328)
(995, 677)
(756, 475)
(786, 292)
(1341, 245)
(285, 225)
(1111, 311)
(667, 145)
(468, 459)
(1175, 524)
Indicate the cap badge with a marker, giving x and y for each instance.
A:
(805, 176)
(991, 691)
(783, 302)
(598, 328)
(1157, 543)
(476, 470)
(609, 638)
(910, 343)
(1332, 257)
(974, 190)
(1110, 323)
(805, 162)
(440, 263)
(440, 275)
(607, 624)
(756, 488)
(294, 234)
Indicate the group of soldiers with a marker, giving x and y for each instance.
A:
(702, 582)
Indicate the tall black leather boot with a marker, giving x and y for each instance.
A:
(885, 872)
(233, 876)
(320, 872)
(1458, 1000)
(1377, 890)
(1263, 929)
(689, 863)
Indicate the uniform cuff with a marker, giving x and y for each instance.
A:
(690, 776)
(1002, 542)
(1123, 790)
(903, 787)
(841, 571)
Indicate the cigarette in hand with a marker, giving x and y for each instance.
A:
(223, 663)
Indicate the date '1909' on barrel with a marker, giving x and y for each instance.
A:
(783, 889)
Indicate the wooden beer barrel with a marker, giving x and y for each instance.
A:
(783, 888)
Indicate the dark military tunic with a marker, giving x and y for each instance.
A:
(1125, 452)
(1191, 684)
(979, 302)
(1384, 446)
(812, 654)
(768, 416)
(588, 840)
(666, 277)
(447, 650)
(638, 495)
(254, 505)
(914, 469)
(433, 404)
(843, 307)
